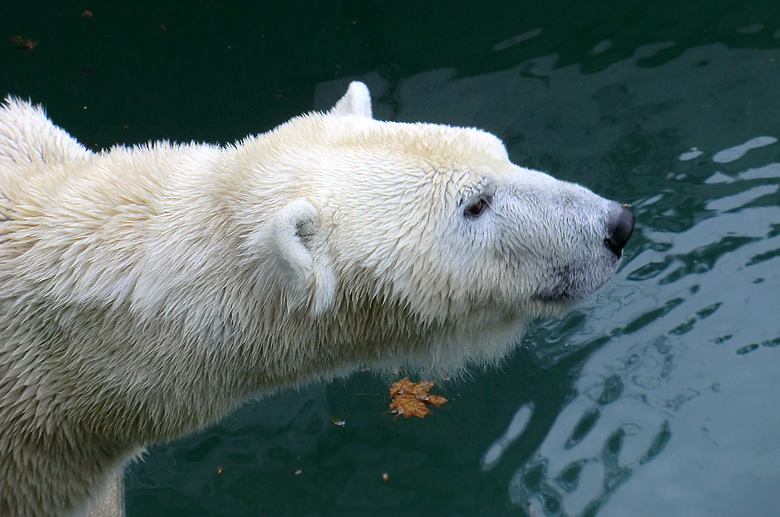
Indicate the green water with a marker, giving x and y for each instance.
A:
(656, 397)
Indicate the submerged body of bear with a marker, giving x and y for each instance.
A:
(145, 292)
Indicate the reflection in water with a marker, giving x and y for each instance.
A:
(513, 431)
(514, 40)
(694, 302)
(735, 153)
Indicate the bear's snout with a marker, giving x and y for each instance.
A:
(620, 227)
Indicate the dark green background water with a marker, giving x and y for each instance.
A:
(657, 397)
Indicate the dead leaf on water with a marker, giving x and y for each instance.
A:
(412, 398)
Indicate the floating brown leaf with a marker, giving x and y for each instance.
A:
(412, 398)
(24, 43)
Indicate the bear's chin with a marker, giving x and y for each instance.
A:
(553, 306)
(569, 291)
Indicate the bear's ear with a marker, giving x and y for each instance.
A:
(304, 268)
(357, 101)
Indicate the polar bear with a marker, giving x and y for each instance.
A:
(145, 292)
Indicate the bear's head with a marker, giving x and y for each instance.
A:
(425, 237)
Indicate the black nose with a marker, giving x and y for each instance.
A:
(620, 227)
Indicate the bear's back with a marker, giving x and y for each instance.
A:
(30, 143)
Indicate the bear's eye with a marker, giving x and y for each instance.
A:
(476, 208)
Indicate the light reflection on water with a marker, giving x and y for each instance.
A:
(674, 382)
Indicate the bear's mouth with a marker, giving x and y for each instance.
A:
(554, 298)
(568, 284)
(560, 287)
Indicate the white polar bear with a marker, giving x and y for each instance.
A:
(147, 291)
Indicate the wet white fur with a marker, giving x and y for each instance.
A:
(145, 292)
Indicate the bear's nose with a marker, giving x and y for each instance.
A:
(620, 227)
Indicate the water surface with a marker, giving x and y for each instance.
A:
(656, 397)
